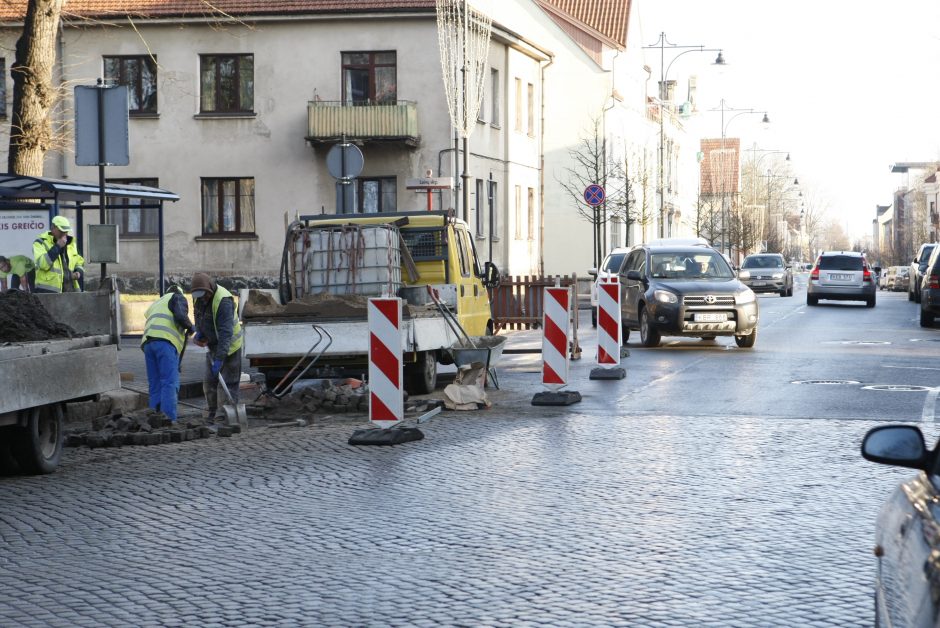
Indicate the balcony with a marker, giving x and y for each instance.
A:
(330, 121)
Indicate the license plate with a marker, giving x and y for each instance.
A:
(759, 283)
(837, 277)
(711, 317)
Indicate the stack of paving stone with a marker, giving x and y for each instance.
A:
(322, 396)
(142, 427)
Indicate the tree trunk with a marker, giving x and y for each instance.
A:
(34, 96)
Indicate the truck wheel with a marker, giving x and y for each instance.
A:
(39, 445)
(746, 342)
(421, 377)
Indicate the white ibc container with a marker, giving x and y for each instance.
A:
(353, 259)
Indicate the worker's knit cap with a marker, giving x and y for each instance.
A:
(202, 281)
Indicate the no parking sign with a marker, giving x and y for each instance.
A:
(594, 195)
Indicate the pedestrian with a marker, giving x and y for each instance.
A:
(218, 328)
(59, 265)
(165, 335)
(17, 273)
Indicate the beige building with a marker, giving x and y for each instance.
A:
(236, 111)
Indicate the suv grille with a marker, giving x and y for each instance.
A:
(709, 300)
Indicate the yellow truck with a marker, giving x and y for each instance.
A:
(333, 264)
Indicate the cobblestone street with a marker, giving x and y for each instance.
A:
(564, 519)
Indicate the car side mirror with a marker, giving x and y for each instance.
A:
(490, 275)
(897, 445)
(593, 272)
(635, 275)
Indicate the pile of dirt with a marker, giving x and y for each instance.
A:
(316, 306)
(24, 319)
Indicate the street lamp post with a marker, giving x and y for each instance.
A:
(770, 177)
(721, 162)
(663, 45)
(765, 215)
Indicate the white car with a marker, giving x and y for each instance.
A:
(611, 266)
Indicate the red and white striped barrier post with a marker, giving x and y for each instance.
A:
(609, 331)
(386, 394)
(556, 319)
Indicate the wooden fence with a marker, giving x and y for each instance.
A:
(518, 303)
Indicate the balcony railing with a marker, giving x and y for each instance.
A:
(328, 121)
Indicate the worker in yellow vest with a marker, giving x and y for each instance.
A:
(59, 265)
(17, 273)
(218, 328)
(165, 335)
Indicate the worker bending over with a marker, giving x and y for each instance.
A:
(165, 334)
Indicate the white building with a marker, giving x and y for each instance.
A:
(235, 113)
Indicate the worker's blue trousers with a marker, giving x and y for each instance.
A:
(163, 376)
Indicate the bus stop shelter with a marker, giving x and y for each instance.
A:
(20, 192)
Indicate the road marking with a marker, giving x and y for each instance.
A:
(928, 415)
(916, 368)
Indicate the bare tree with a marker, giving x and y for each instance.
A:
(594, 164)
(34, 96)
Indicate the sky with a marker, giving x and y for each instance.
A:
(850, 87)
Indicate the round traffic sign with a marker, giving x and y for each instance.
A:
(344, 161)
(594, 195)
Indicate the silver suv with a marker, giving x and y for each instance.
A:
(841, 276)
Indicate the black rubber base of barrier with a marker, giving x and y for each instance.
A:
(603, 372)
(556, 398)
(390, 436)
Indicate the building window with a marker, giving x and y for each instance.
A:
(494, 97)
(228, 206)
(369, 77)
(518, 212)
(227, 83)
(377, 195)
(494, 211)
(479, 209)
(139, 74)
(531, 215)
(134, 221)
(530, 103)
(518, 124)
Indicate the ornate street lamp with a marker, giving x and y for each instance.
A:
(663, 45)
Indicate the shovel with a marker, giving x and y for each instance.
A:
(235, 413)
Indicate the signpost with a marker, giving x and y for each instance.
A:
(101, 135)
(594, 195)
(344, 162)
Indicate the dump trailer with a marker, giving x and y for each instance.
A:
(333, 264)
(40, 376)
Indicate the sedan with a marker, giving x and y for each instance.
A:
(907, 538)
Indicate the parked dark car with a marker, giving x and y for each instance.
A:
(907, 542)
(672, 290)
(918, 266)
(769, 272)
(930, 290)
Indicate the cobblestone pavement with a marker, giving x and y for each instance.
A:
(605, 513)
(562, 519)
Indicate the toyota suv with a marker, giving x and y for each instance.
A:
(841, 276)
(918, 265)
(674, 290)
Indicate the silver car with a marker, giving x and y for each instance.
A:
(841, 276)
(768, 273)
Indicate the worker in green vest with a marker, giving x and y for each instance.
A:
(218, 329)
(165, 334)
(17, 273)
(59, 265)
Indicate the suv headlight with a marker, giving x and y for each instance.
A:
(664, 296)
(778, 275)
(743, 297)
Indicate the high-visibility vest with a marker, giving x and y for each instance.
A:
(161, 323)
(49, 272)
(221, 293)
(20, 265)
